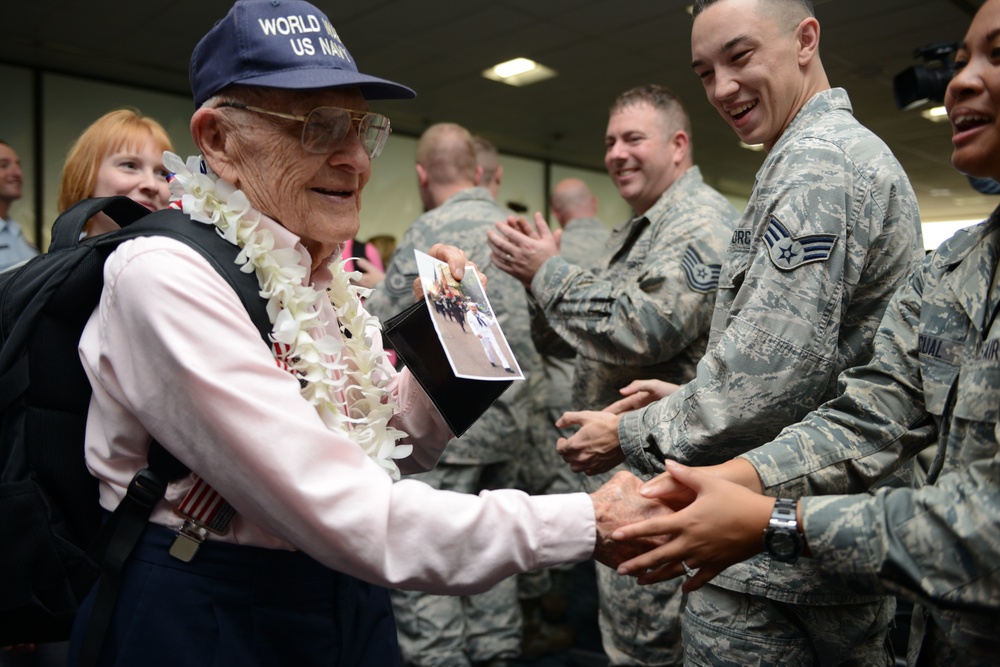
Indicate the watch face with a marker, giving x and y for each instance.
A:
(783, 544)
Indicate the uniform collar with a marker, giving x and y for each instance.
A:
(823, 102)
(975, 268)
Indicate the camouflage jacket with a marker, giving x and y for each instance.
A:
(582, 244)
(934, 378)
(647, 312)
(462, 221)
(830, 231)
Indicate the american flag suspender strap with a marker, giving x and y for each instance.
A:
(204, 511)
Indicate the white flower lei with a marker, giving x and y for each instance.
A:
(325, 364)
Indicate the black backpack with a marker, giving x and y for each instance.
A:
(53, 546)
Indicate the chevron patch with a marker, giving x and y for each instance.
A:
(701, 277)
(788, 253)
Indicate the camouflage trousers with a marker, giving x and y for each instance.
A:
(456, 631)
(724, 628)
(640, 625)
(944, 637)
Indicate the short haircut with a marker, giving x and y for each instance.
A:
(487, 157)
(660, 98)
(790, 9)
(123, 128)
(446, 151)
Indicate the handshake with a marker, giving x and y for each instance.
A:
(617, 504)
(688, 521)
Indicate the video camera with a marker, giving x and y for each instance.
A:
(922, 83)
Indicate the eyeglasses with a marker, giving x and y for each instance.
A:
(326, 127)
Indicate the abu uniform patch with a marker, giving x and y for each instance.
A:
(398, 285)
(788, 253)
(701, 277)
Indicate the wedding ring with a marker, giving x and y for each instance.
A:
(509, 257)
(690, 572)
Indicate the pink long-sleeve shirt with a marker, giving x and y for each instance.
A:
(172, 354)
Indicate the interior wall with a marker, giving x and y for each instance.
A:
(17, 128)
(63, 107)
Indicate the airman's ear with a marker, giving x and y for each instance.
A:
(808, 39)
(682, 144)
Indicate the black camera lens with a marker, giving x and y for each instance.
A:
(925, 83)
(916, 85)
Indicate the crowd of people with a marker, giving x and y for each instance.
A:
(722, 408)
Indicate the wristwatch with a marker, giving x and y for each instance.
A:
(782, 540)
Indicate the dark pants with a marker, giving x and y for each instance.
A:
(236, 605)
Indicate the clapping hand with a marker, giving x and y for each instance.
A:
(594, 448)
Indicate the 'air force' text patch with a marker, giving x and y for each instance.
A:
(789, 253)
(701, 277)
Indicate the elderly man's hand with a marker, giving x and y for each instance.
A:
(617, 504)
(722, 525)
(595, 447)
(639, 394)
(518, 253)
(455, 259)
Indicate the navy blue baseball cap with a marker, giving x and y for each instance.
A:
(287, 44)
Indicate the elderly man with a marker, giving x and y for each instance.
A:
(644, 312)
(13, 246)
(297, 436)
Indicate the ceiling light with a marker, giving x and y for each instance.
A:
(935, 114)
(752, 147)
(518, 72)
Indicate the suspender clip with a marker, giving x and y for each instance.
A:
(188, 541)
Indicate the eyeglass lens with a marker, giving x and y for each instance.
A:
(326, 127)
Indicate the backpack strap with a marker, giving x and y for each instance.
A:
(136, 221)
(217, 251)
(119, 536)
(68, 227)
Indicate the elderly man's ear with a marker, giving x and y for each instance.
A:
(210, 131)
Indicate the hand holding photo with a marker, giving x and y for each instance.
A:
(466, 323)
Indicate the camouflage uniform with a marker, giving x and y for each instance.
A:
(452, 630)
(582, 244)
(646, 314)
(934, 379)
(830, 232)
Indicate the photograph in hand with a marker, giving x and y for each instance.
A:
(466, 323)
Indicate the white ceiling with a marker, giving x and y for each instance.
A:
(598, 47)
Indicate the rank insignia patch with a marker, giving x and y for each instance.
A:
(398, 285)
(789, 253)
(701, 277)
